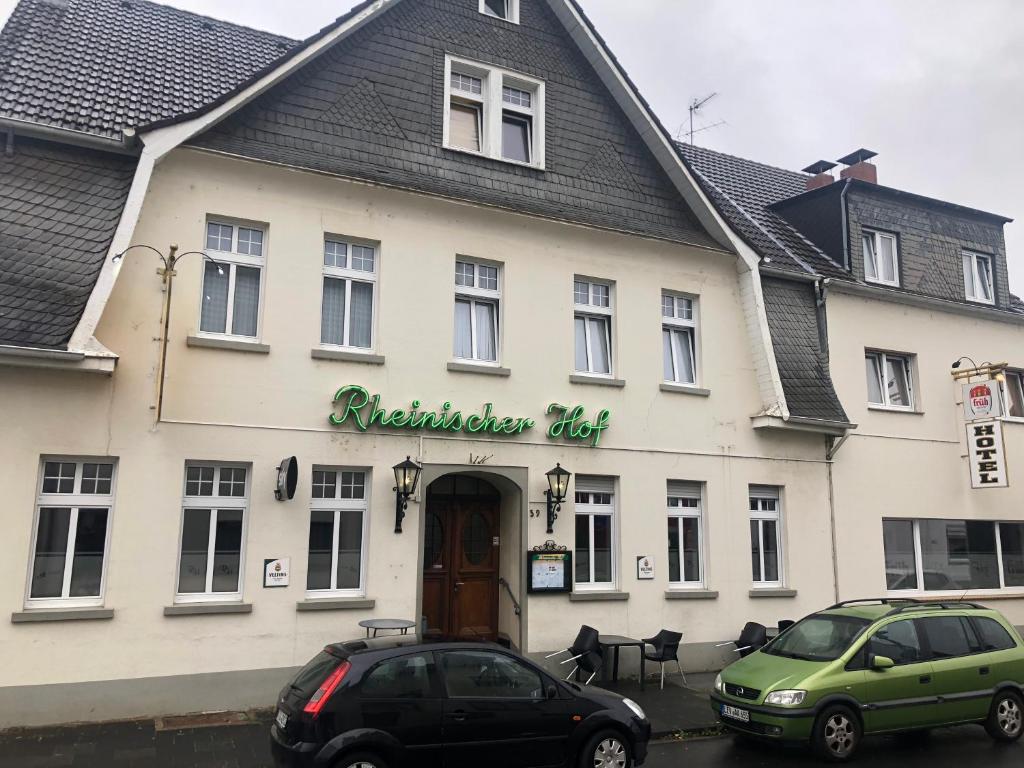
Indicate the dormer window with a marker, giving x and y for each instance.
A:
(494, 113)
(501, 9)
(978, 277)
(881, 259)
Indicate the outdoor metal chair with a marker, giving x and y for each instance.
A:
(666, 648)
(753, 637)
(785, 624)
(585, 651)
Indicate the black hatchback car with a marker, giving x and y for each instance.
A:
(395, 702)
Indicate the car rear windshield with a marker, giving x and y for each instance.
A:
(818, 638)
(315, 672)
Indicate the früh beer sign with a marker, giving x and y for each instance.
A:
(982, 401)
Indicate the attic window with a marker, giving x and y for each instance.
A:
(978, 277)
(501, 9)
(881, 258)
(493, 112)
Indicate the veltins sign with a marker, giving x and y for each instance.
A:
(982, 401)
(987, 455)
(275, 572)
(354, 405)
(644, 567)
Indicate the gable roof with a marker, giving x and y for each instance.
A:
(100, 66)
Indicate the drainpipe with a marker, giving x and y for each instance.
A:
(844, 220)
(830, 448)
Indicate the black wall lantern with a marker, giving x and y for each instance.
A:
(558, 486)
(407, 474)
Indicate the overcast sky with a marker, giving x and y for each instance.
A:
(936, 87)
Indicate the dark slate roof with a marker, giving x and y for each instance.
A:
(1016, 304)
(803, 364)
(99, 66)
(743, 190)
(59, 207)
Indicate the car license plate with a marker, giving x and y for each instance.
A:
(735, 713)
(282, 720)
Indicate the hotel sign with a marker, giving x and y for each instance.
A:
(354, 405)
(987, 455)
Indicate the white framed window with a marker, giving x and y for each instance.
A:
(1013, 394)
(233, 281)
(890, 380)
(71, 532)
(679, 338)
(337, 533)
(595, 533)
(930, 555)
(349, 301)
(685, 534)
(593, 309)
(978, 277)
(477, 311)
(211, 554)
(493, 112)
(766, 535)
(881, 258)
(501, 9)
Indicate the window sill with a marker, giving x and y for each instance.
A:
(368, 358)
(61, 614)
(597, 597)
(890, 409)
(206, 609)
(690, 594)
(597, 381)
(505, 160)
(486, 370)
(773, 592)
(228, 344)
(334, 604)
(685, 389)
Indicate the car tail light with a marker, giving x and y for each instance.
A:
(327, 687)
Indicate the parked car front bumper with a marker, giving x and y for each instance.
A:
(776, 723)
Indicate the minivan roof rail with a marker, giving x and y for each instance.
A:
(882, 600)
(944, 605)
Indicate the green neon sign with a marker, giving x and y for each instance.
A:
(356, 406)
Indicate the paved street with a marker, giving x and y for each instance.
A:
(141, 745)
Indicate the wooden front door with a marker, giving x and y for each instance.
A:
(460, 566)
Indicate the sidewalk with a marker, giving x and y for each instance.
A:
(241, 740)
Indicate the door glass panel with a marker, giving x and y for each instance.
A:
(479, 674)
(350, 548)
(227, 550)
(195, 538)
(691, 549)
(476, 538)
(214, 317)
(582, 549)
(403, 678)
(90, 540)
(51, 548)
(900, 560)
(771, 550)
(947, 636)
(321, 540)
(602, 548)
(755, 549)
(433, 542)
(673, 549)
(898, 641)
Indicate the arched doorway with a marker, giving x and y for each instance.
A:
(461, 549)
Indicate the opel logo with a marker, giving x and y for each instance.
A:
(739, 691)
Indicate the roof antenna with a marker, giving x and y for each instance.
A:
(695, 107)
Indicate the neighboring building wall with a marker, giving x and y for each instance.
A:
(930, 242)
(225, 405)
(913, 464)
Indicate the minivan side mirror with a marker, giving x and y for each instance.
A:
(880, 662)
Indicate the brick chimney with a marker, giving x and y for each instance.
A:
(858, 167)
(821, 176)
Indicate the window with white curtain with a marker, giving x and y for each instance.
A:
(685, 534)
(350, 279)
(881, 258)
(978, 277)
(501, 9)
(679, 338)
(592, 303)
(232, 280)
(595, 532)
(766, 535)
(1014, 394)
(212, 532)
(477, 310)
(890, 380)
(337, 532)
(72, 532)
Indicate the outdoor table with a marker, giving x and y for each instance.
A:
(616, 642)
(404, 625)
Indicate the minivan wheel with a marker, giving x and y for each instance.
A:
(606, 749)
(836, 734)
(1006, 717)
(361, 760)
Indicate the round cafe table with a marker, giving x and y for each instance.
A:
(401, 625)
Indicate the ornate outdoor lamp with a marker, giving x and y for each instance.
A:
(407, 474)
(558, 485)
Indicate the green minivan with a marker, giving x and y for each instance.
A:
(878, 666)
